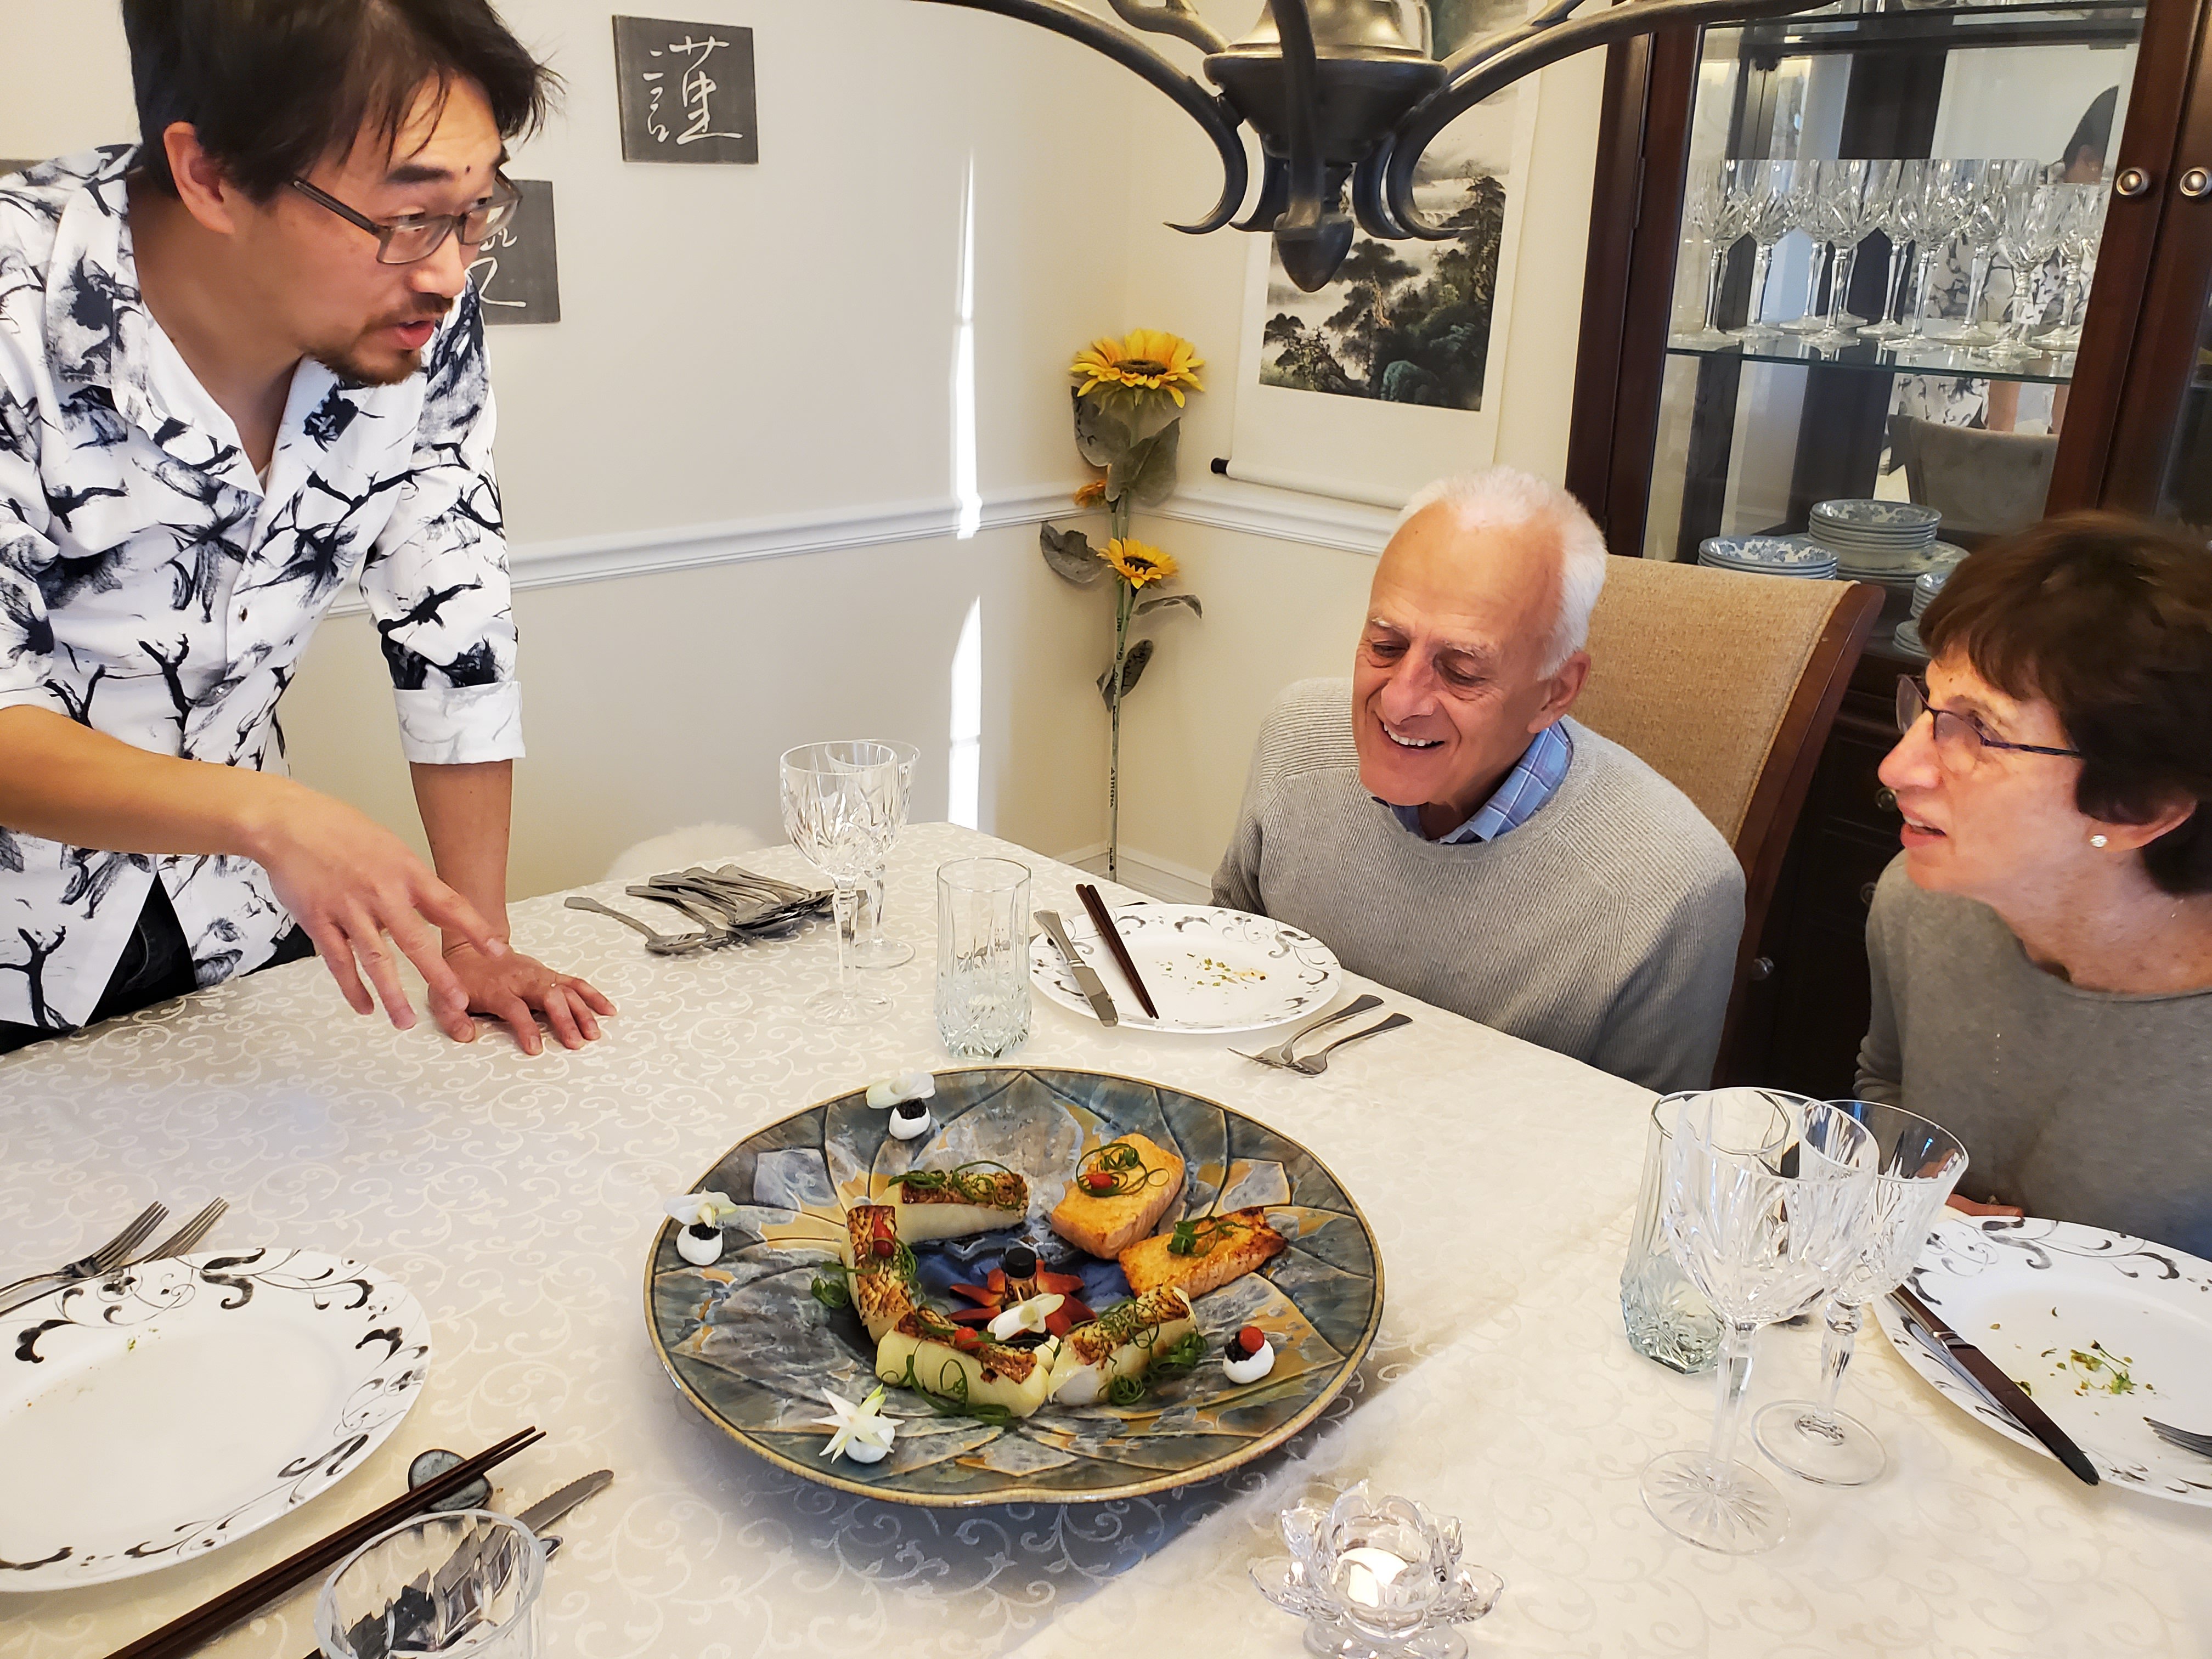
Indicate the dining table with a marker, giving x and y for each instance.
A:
(518, 1199)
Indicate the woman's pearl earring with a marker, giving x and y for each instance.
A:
(2096, 841)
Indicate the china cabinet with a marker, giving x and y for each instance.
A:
(1953, 254)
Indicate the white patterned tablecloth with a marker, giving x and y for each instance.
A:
(517, 1199)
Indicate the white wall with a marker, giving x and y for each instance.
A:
(779, 344)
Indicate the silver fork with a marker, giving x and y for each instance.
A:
(2188, 1439)
(187, 1237)
(1315, 1063)
(107, 1258)
(660, 944)
(1280, 1054)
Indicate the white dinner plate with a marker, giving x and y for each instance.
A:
(147, 1420)
(1208, 970)
(2034, 1295)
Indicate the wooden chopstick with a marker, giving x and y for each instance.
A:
(1104, 923)
(208, 1620)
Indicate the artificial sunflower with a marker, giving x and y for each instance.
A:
(1137, 564)
(1149, 360)
(1092, 494)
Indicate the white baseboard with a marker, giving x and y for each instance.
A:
(1153, 875)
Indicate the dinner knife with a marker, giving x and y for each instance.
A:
(1086, 976)
(2007, 1396)
(1102, 920)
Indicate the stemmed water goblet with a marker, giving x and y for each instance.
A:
(1918, 1163)
(2079, 234)
(2028, 229)
(1984, 210)
(1901, 185)
(1765, 188)
(841, 808)
(1946, 203)
(1817, 201)
(1716, 213)
(872, 948)
(1767, 1207)
(1860, 198)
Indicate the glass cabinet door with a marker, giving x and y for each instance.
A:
(1889, 235)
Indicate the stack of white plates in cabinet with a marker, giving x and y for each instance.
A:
(1767, 556)
(1891, 542)
(1926, 587)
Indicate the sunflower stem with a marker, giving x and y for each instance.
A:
(1124, 607)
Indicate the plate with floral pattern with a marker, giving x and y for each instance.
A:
(748, 1344)
(1209, 970)
(2101, 1329)
(186, 1403)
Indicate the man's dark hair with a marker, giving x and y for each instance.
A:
(2093, 131)
(2109, 620)
(274, 86)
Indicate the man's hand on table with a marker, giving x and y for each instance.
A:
(517, 989)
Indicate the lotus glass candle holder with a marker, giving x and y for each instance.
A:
(1376, 1578)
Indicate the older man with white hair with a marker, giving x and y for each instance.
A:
(1445, 826)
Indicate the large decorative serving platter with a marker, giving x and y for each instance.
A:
(188, 1402)
(1209, 970)
(2102, 1330)
(748, 1344)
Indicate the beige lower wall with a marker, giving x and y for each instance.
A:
(652, 702)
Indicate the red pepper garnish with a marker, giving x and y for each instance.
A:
(1066, 1283)
(965, 1338)
(996, 1279)
(1097, 1181)
(974, 1316)
(973, 1292)
(1249, 1341)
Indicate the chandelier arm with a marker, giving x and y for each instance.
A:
(1221, 122)
(1525, 57)
(1471, 57)
(1303, 69)
(1368, 204)
(1173, 17)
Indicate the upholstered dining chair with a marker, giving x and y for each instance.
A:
(1984, 483)
(1727, 685)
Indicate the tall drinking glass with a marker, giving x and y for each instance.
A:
(872, 948)
(2027, 233)
(465, 1582)
(2082, 230)
(841, 808)
(1860, 196)
(1715, 213)
(1900, 222)
(1765, 188)
(982, 956)
(1917, 1165)
(1764, 1235)
(1816, 207)
(1946, 194)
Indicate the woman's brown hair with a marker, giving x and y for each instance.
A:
(2109, 620)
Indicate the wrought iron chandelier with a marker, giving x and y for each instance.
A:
(1346, 92)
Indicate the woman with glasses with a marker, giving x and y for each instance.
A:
(2042, 951)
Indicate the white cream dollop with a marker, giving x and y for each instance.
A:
(699, 1252)
(1250, 1369)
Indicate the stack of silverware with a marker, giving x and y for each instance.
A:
(728, 906)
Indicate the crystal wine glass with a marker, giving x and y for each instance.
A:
(1816, 205)
(872, 947)
(1901, 184)
(1986, 207)
(842, 810)
(2027, 235)
(1715, 213)
(1946, 203)
(1765, 1221)
(2082, 230)
(1917, 1165)
(1858, 194)
(1764, 186)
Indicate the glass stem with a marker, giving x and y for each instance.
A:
(1839, 289)
(1735, 1379)
(847, 895)
(1822, 253)
(1844, 1320)
(1893, 308)
(2073, 288)
(1979, 283)
(1713, 289)
(1927, 263)
(1756, 307)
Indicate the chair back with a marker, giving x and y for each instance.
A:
(1726, 684)
(1984, 483)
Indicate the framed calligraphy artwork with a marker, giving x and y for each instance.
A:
(686, 91)
(517, 271)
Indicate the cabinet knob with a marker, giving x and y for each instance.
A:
(1762, 968)
(2132, 181)
(2194, 183)
(1884, 799)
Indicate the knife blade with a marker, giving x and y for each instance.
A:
(1086, 976)
(548, 1509)
(2007, 1396)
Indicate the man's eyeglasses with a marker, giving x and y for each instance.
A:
(404, 241)
(1960, 738)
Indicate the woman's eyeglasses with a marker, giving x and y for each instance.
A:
(1960, 738)
(404, 241)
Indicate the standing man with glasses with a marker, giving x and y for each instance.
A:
(2042, 948)
(242, 364)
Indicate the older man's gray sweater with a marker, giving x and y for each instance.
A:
(1605, 927)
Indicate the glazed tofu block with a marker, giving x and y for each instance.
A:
(954, 1363)
(1202, 1253)
(954, 1203)
(1121, 1342)
(1142, 1179)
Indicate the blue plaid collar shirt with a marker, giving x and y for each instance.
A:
(1534, 779)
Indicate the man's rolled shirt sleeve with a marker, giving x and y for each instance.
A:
(437, 581)
(26, 633)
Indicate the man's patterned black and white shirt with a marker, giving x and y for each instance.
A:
(150, 589)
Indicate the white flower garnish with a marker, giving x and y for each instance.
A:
(1028, 1316)
(864, 1433)
(703, 1209)
(907, 1085)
